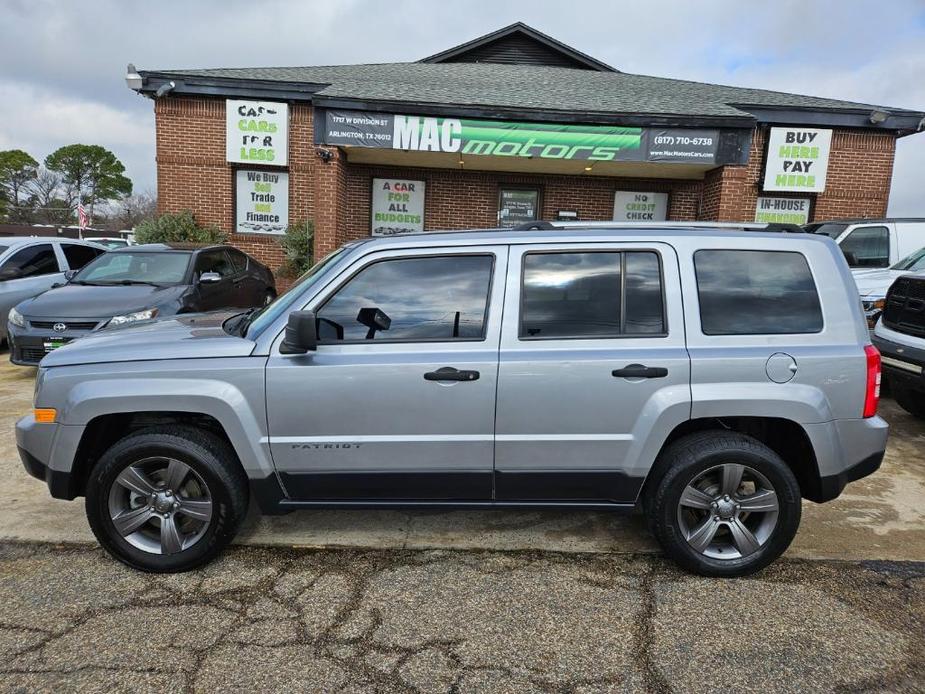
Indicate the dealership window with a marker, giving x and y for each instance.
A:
(411, 299)
(756, 293)
(867, 247)
(587, 295)
(518, 206)
(30, 262)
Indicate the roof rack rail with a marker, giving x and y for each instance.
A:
(545, 225)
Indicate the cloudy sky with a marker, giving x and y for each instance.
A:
(63, 66)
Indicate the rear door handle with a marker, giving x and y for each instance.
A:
(640, 371)
(448, 373)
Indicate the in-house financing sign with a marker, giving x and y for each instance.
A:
(518, 139)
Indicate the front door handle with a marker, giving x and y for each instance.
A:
(448, 373)
(640, 371)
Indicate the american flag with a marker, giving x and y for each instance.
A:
(83, 221)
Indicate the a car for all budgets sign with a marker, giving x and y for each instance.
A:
(798, 159)
(398, 206)
(261, 202)
(256, 132)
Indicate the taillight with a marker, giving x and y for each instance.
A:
(872, 396)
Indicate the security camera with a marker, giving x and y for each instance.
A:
(326, 155)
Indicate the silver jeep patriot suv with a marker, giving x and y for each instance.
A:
(710, 377)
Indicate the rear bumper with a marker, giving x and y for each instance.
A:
(846, 450)
(831, 486)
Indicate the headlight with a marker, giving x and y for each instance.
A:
(872, 310)
(147, 314)
(15, 317)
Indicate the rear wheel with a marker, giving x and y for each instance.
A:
(722, 504)
(166, 499)
(910, 400)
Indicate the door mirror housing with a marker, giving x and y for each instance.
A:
(10, 273)
(69, 275)
(301, 333)
(209, 278)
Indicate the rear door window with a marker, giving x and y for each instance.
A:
(77, 256)
(238, 260)
(867, 247)
(32, 261)
(756, 293)
(596, 294)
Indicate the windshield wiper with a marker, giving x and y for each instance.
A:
(244, 320)
(89, 284)
(130, 282)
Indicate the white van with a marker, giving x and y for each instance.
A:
(874, 243)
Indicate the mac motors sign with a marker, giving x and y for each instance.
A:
(565, 141)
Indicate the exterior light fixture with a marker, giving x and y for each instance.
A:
(165, 89)
(326, 155)
(589, 167)
(877, 117)
(133, 79)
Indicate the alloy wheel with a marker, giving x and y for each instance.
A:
(160, 505)
(728, 511)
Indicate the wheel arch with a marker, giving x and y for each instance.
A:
(786, 437)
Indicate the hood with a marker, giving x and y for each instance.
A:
(187, 336)
(88, 301)
(875, 282)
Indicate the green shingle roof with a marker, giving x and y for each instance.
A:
(529, 87)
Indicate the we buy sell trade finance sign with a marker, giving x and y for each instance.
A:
(517, 139)
(798, 159)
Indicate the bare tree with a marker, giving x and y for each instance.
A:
(50, 201)
(132, 210)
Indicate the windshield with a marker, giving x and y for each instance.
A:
(110, 243)
(831, 229)
(913, 261)
(168, 267)
(270, 313)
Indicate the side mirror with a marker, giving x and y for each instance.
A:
(301, 333)
(69, 275)
(209, 278)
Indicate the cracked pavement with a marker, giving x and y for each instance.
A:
(269, 619)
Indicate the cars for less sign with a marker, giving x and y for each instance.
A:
(398, 206)
(256, 132)
(640, 207)
(798, 159)
(262, 202)
(782, 210)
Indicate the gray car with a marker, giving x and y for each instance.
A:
(31, 264)
(707, 377)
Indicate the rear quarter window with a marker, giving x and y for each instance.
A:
(756, 293)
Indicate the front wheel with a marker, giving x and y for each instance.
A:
(166, 499)
(722, 504)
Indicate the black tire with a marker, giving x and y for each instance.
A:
(910, 400)
(684, 461)
(209, 457)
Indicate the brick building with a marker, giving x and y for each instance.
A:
(508, 127)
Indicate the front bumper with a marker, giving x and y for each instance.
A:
(35, 442)
(28, 345)
(903, 364)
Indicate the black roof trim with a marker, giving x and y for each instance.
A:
(537, 115)
(531, 33)
(903, 121)
(229, 86)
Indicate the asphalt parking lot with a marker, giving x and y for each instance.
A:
(466, 601)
